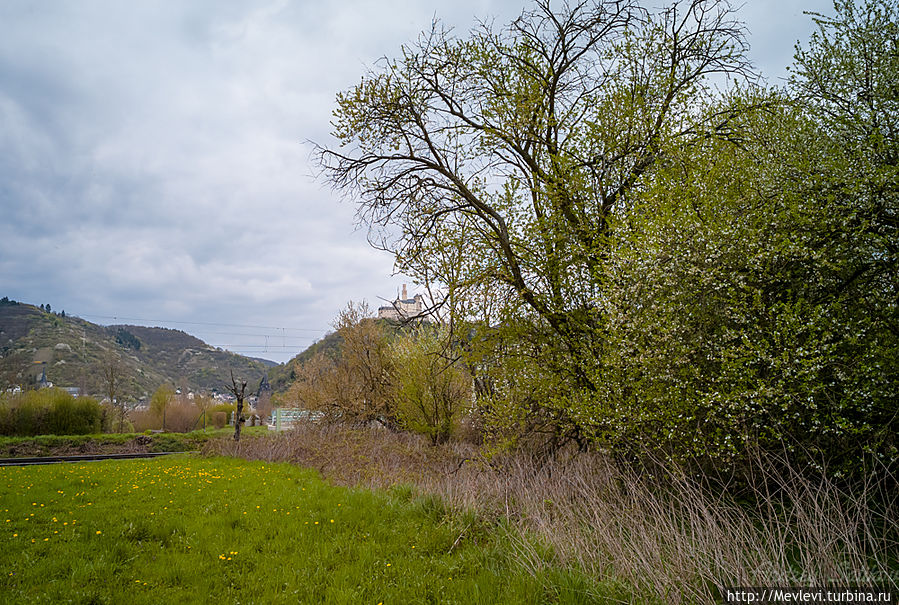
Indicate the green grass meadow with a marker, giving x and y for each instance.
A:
(186, 529)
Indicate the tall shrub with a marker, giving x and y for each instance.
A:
(430, 389)
(50, 411)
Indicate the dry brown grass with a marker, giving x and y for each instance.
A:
(667, 537)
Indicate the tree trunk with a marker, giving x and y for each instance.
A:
(238, 392)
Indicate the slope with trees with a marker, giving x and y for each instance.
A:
(77, 353)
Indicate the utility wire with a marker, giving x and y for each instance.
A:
(200, 323)
(279, 333)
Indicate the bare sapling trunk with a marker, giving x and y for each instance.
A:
(238, 391)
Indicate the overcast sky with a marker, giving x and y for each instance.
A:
(154, 168)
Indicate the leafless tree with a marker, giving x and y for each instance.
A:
(112, 377)
(238, 389)
(354, 386)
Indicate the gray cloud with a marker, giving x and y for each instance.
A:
(154, 164)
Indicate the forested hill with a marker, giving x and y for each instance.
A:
(281, 377)
(74, 353)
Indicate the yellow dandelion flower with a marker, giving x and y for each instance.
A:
(99, 532)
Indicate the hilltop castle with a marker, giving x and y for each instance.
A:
(403, 307)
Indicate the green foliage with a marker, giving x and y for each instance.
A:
(762, 314)
(161, 399)
(430, 390)
(282, 376)
(635, 261)
(49, 411)
(225, 408)
(520, 400)
(113, 443)
(171, 442)
(494, 166)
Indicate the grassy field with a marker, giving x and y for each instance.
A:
(199, 530)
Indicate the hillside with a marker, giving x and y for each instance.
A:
(282, 376)
(73, 353)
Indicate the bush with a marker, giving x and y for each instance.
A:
(430, 390)
(144, 421)
(50, 411)
(219, 419)
(181, 415)
(352, 384)
(71, 416)
(224, 408)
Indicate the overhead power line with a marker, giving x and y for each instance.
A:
(275, 341)
(200, 323)
(269, 346)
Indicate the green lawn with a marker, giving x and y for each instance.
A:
(196, 530)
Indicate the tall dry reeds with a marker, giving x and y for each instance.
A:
(666, 536)
(181, 416)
